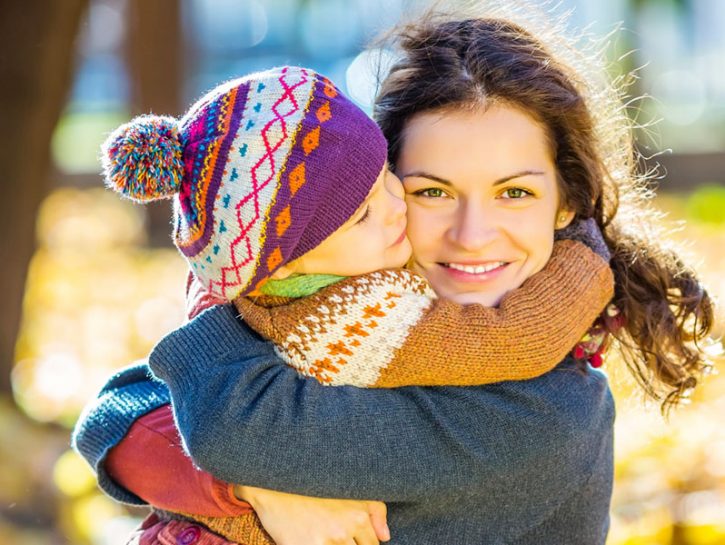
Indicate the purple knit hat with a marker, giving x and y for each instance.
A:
(262, 170)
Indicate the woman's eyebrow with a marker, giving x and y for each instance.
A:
(421, 174)
(518, 175)
(521, 174)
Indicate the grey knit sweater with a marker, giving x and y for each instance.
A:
(510, 463)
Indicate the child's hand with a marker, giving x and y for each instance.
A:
(302, 520)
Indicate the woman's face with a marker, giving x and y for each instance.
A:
(482, 200)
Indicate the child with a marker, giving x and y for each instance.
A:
(285, 207)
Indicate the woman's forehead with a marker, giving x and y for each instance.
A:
(496, 142)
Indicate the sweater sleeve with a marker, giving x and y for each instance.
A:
(248, 418)
(387, 329)
(150, 462)
(532, 330)
(105, 420)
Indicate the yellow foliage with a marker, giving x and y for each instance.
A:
(72, 475)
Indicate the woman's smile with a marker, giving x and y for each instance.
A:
(482, 196)
(474, 272)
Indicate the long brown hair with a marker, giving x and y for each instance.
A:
(447, 63)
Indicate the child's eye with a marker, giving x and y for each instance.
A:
(431, 193)
(364, 217)
(515, 193)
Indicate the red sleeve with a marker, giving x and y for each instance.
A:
(151, 463)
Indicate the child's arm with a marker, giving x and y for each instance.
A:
(150, 462)
(531, 331)
(387, 329)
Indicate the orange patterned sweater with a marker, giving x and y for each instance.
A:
(387, 328)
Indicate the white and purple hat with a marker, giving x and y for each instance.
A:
(262, 170)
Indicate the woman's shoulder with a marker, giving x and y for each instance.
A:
(570, 390)
(567, 405)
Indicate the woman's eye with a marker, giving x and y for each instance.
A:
(515, 193)
(431, 192)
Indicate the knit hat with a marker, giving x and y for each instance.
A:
(262, 169)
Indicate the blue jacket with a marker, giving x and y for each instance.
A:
(510, 463)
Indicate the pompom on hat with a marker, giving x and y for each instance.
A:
(142, 159)
(262, 169)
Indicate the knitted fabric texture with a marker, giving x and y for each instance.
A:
(244, 529)
(586, 231)
(377, 330)
(135, 391)
(541, 447)
(262, 169)
(299, 285)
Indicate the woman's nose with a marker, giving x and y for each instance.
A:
(473, 228)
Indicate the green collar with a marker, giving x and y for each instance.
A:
(299, 285)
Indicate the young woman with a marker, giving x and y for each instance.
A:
(492, 136)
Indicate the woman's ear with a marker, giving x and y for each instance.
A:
(564, 218)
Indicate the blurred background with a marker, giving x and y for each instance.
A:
(91, 282)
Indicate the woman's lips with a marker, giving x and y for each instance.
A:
(474, 272)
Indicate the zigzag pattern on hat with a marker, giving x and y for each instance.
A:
(288, 212)
(219, 170)
(256, 180)
(265, 170)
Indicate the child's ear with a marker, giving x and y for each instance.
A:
(283, 272)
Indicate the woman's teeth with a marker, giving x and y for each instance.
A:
(476, 269)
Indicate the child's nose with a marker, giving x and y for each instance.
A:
(398, 207)
(394, 185)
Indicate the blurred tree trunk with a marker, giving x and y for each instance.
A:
(154, 51)
(36, 65)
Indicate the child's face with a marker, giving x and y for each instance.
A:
(373, 238)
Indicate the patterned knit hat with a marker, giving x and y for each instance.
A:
(262, 170)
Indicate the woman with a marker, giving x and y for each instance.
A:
(526, 462)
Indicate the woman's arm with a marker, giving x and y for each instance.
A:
(247, 418)
(151, 463)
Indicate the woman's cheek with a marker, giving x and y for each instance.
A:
(537, 241)
(424, 233)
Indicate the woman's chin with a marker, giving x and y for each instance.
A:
(475, 298)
